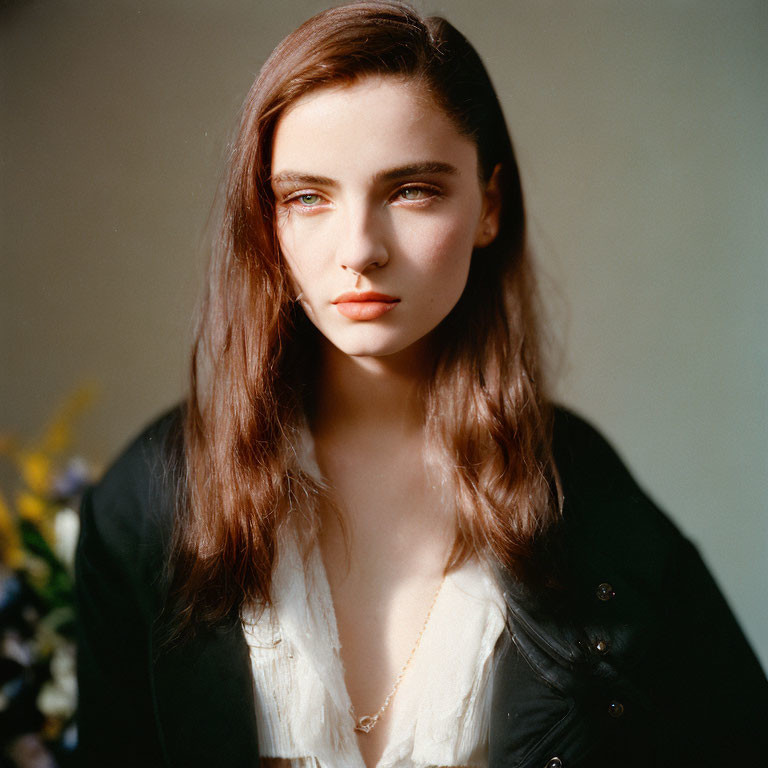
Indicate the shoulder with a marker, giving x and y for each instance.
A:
(127, 517)
(632, 578)
(622, 658)
(589, 466)
(644, 622)
(610, 524)
(144, 467)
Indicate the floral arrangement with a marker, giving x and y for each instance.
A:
(39, 523)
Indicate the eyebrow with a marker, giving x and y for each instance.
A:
(391, 174)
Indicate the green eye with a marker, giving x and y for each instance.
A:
(412, 193)
(309, 200)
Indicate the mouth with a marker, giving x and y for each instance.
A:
(365, 306)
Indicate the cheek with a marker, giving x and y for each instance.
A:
(297, 255)
(443, 252)
(308, 244)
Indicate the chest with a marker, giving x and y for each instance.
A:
(384, 548)
(302, 667)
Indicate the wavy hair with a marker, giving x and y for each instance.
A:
(487, 418)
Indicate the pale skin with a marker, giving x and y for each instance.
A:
(376, 190)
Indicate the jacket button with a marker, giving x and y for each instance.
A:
(601, 646)
(605, 591)
(615, 709)
(555, 762)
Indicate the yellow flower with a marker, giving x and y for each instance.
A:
(38, 571)
(37, 511)
(36, 471)
(11, 553)
(31, 507)
(35, 465)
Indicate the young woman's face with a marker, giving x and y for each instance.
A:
(378, 208)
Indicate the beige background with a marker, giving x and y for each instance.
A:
(642, 133)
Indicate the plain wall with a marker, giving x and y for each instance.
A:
(642, 135)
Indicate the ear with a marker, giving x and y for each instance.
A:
(488, 225)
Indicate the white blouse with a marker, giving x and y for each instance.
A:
(440, 713)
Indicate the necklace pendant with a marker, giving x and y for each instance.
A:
(365, 724)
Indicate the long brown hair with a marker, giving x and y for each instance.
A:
(487, 419)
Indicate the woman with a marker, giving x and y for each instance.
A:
(369, 538)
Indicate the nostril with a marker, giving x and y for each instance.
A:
(378, 264)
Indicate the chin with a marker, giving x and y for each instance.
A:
(359, 350)
(374, 339)
(371, 347)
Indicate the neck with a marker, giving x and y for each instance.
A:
(360, 393)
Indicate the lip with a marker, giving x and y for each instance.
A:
(365, 306)
(352, 297)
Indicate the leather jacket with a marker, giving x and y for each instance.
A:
(635, 661)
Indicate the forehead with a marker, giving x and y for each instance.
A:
(366, 126)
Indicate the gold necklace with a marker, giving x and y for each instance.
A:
(366, 723)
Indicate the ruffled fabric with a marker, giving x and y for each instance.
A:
(440, 714)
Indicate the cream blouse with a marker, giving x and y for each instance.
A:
(440, 713)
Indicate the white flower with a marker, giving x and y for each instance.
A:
(66, 527)
(13, 646)
(53, 701)
(63, 664)
(57, 698)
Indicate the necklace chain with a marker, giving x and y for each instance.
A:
(366, 723)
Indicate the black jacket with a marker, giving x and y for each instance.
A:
(639, 662)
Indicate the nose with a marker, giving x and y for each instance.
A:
(362, 243)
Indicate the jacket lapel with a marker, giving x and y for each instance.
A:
(204, 702)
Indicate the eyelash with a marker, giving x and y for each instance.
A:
(429, 193)
(293, 200)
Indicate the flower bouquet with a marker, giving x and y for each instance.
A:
(39, 523)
